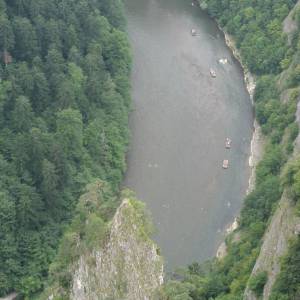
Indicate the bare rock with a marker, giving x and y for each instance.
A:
(127, 268)
(275, 244)
(289, 24)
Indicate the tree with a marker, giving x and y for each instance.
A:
(8, 249)
(175, 290)
(25, 38)
(7, 39)
(22, 116)
(49, 182)
(70, 133)
(40, 93)
(54, 96)
(257, 283)
(114, 11)
(28, 207)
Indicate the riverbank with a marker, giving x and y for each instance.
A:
(257, 141)
(270, 58)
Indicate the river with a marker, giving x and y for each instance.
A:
(180, 120)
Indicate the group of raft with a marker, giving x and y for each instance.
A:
(213, 74)
(223, 61)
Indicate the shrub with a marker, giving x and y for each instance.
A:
(257, 283)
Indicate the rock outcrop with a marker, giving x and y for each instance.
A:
(282, 228)
(11, 296)
(257, 141)
(122, 264)
(128, 267)
(284, 223)
(275, 243)
(289, 24)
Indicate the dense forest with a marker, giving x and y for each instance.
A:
(257, 29)
(64, 102)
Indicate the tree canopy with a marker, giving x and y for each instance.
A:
(64, 103)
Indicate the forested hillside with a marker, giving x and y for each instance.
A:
(64, 102)
(257, 29)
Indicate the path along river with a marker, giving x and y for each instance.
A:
(180, 120)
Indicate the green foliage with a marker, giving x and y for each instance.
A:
(64, 103)
(288, 281)
(89, 233)
(177, 291)
(287, 285)
(257, 29)
(294, 77)
(257, 282)
(87, 230)
(227, 279)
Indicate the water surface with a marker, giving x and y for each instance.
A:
(179, 124)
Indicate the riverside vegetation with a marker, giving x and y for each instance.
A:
(257, 29)
(64, 103)
(102, 256)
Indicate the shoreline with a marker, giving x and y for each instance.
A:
(257, 141)
(256, 146)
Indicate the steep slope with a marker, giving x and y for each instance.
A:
(284, 221)
(106, 259)
(267, 219)
(275, 244)
(64, 104)
(127, 267)
(290, 24)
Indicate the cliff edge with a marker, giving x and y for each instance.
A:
(128, 267)
(102, 257)
(284, 221)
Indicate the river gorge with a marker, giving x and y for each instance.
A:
(180, 121)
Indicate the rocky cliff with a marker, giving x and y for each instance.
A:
(275, 243)
(100, 259)
(284, 221)
(128, 267)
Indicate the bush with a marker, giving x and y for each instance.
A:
(294, 78)
(257, 282)
(287, 284)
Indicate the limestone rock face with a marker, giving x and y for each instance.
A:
(289, 24)
(127, 267)
(275, 244)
